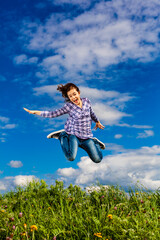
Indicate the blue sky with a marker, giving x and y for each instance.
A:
(111, 50)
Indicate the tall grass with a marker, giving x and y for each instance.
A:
(39, 212)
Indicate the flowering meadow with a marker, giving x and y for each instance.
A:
(39, 212)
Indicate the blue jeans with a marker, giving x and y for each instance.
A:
(70, 144)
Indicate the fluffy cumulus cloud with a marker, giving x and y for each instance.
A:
(107, 33)
(125, 169)
(15, 164)
(23, 180)
(8, 183)
(67, 172)
(108, 114)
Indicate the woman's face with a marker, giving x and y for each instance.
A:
(74, 96)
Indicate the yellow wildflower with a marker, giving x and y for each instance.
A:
(25, 225)
(23, 234)
(110, 216)
(98, 235)
(33, 228)
(137, 193)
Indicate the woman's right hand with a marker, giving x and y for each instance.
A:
(32, 111)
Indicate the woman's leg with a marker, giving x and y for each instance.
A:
(93, 149)
(69, 144)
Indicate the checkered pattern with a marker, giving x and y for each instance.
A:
(79, 120)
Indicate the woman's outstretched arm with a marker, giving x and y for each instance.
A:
(32, 111)
(50, 114)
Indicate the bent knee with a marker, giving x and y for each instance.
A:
(96, 159)
(71, 159)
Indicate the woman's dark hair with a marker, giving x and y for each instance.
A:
(65, 88)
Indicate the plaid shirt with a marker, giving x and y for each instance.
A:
(79, 120)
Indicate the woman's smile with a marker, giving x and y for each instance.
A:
(74, 96)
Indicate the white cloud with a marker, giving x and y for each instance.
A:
(5, 125)
(115, 148)
(10, 182)
(24, 59)
(23, 180)
(114, 98)
(142, 126)
(21, 59)
(95, 93)
(146, 134)
(108, 33)
(133, 126)
(51, 90)
(15, 164)
(81, 3)
(124, 169)
(2, 186)
(4, 119)
(109, 115)
(67, 172)
(118, 136)
(9, 126)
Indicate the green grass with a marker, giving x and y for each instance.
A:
(70, 213)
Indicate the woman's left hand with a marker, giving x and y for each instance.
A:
(99, 125)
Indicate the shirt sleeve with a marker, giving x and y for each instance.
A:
(93, 115)
(56, 113)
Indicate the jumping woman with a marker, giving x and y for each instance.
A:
(77, 131)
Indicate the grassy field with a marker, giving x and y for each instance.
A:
(51, 213)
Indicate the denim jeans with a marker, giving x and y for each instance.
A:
(70, 144)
